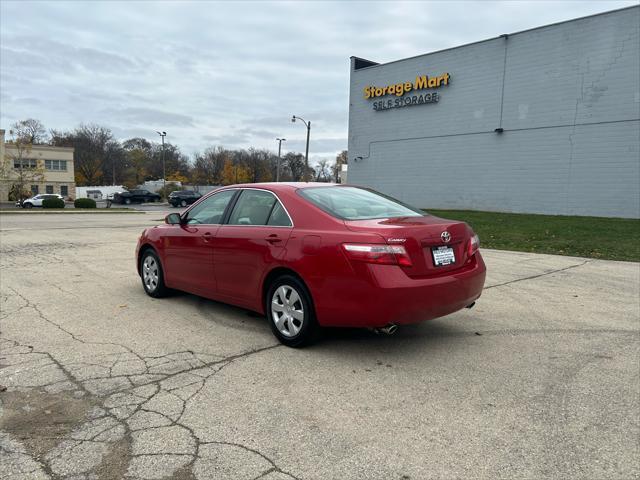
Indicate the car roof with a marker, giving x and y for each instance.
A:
(280, 186)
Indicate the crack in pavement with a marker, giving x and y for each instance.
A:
(544, 274)
(139, 411)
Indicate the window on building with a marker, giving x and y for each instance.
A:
(49, 189)
(25, 163)
(34, 189)
(55, 165)
(64, 190)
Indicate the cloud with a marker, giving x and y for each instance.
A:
(148, 116)
(227, 73)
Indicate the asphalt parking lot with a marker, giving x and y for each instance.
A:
(539, 380)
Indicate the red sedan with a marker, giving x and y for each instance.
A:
(310, 255)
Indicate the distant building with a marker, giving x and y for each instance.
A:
(541, 121)
(344, 168)
(55, 165)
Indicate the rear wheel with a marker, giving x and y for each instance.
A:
(290, 312)
(152, 275)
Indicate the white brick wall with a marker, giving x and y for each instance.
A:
(571, 141)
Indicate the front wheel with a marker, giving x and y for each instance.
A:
(127, 201)
(183, 203)
(27, 205)
(152, 275)
(290, 312)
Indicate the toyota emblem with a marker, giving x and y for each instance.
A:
(445, 236)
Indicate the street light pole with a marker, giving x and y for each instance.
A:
(279, 140)
(306, 155)
(164, 173)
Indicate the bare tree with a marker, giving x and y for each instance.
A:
(323, 171)
(341, 159)
(20, 170)
(30, 131)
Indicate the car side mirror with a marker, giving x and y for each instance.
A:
(173, 219)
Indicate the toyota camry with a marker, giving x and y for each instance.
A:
(312, 255)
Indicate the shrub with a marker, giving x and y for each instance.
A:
(84, 203)
(53, 203)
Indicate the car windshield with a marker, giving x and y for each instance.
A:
(353, 203)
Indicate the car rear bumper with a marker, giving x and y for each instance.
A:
(390, 296)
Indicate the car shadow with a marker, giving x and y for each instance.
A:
(408, 338)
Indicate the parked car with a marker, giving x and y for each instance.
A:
(310, 255)
(36, 200)
(135, 196)
(182, 198)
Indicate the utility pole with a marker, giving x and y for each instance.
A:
(306, 155)
(164, 172)
(279, 140)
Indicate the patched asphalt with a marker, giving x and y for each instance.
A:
(540, 380)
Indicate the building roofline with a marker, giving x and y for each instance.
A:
(43, 147)
(504, 35)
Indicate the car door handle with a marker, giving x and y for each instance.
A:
(207, 236)
(273, 238)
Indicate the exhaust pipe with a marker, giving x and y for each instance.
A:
(470, 305)
(387, 330)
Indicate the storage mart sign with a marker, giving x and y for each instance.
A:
(400, 90)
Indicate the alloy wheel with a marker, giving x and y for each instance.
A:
(150, 274)
(287, 310)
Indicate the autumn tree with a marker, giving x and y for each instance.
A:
(257, 162)
(208, 166)
(234, 173)
(136, 164)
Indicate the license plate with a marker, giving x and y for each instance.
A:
(443, 256)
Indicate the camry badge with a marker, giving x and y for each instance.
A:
(445, 236)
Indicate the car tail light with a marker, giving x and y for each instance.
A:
(474, 245)
(377, 253)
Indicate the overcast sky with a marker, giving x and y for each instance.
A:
(227, 73)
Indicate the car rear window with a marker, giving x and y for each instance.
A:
(353, 203)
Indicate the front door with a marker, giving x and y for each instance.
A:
(189, 246)
(246, 246)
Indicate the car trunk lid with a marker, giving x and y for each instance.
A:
(423, 240)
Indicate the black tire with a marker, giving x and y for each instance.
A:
(27, 205)
(154, 284)
(183, 203)
(127, 201)
(308, 329)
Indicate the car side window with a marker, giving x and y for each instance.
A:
(279, 217)
(252, 208)
(210, 210)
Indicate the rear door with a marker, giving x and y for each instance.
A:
(253, 239)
